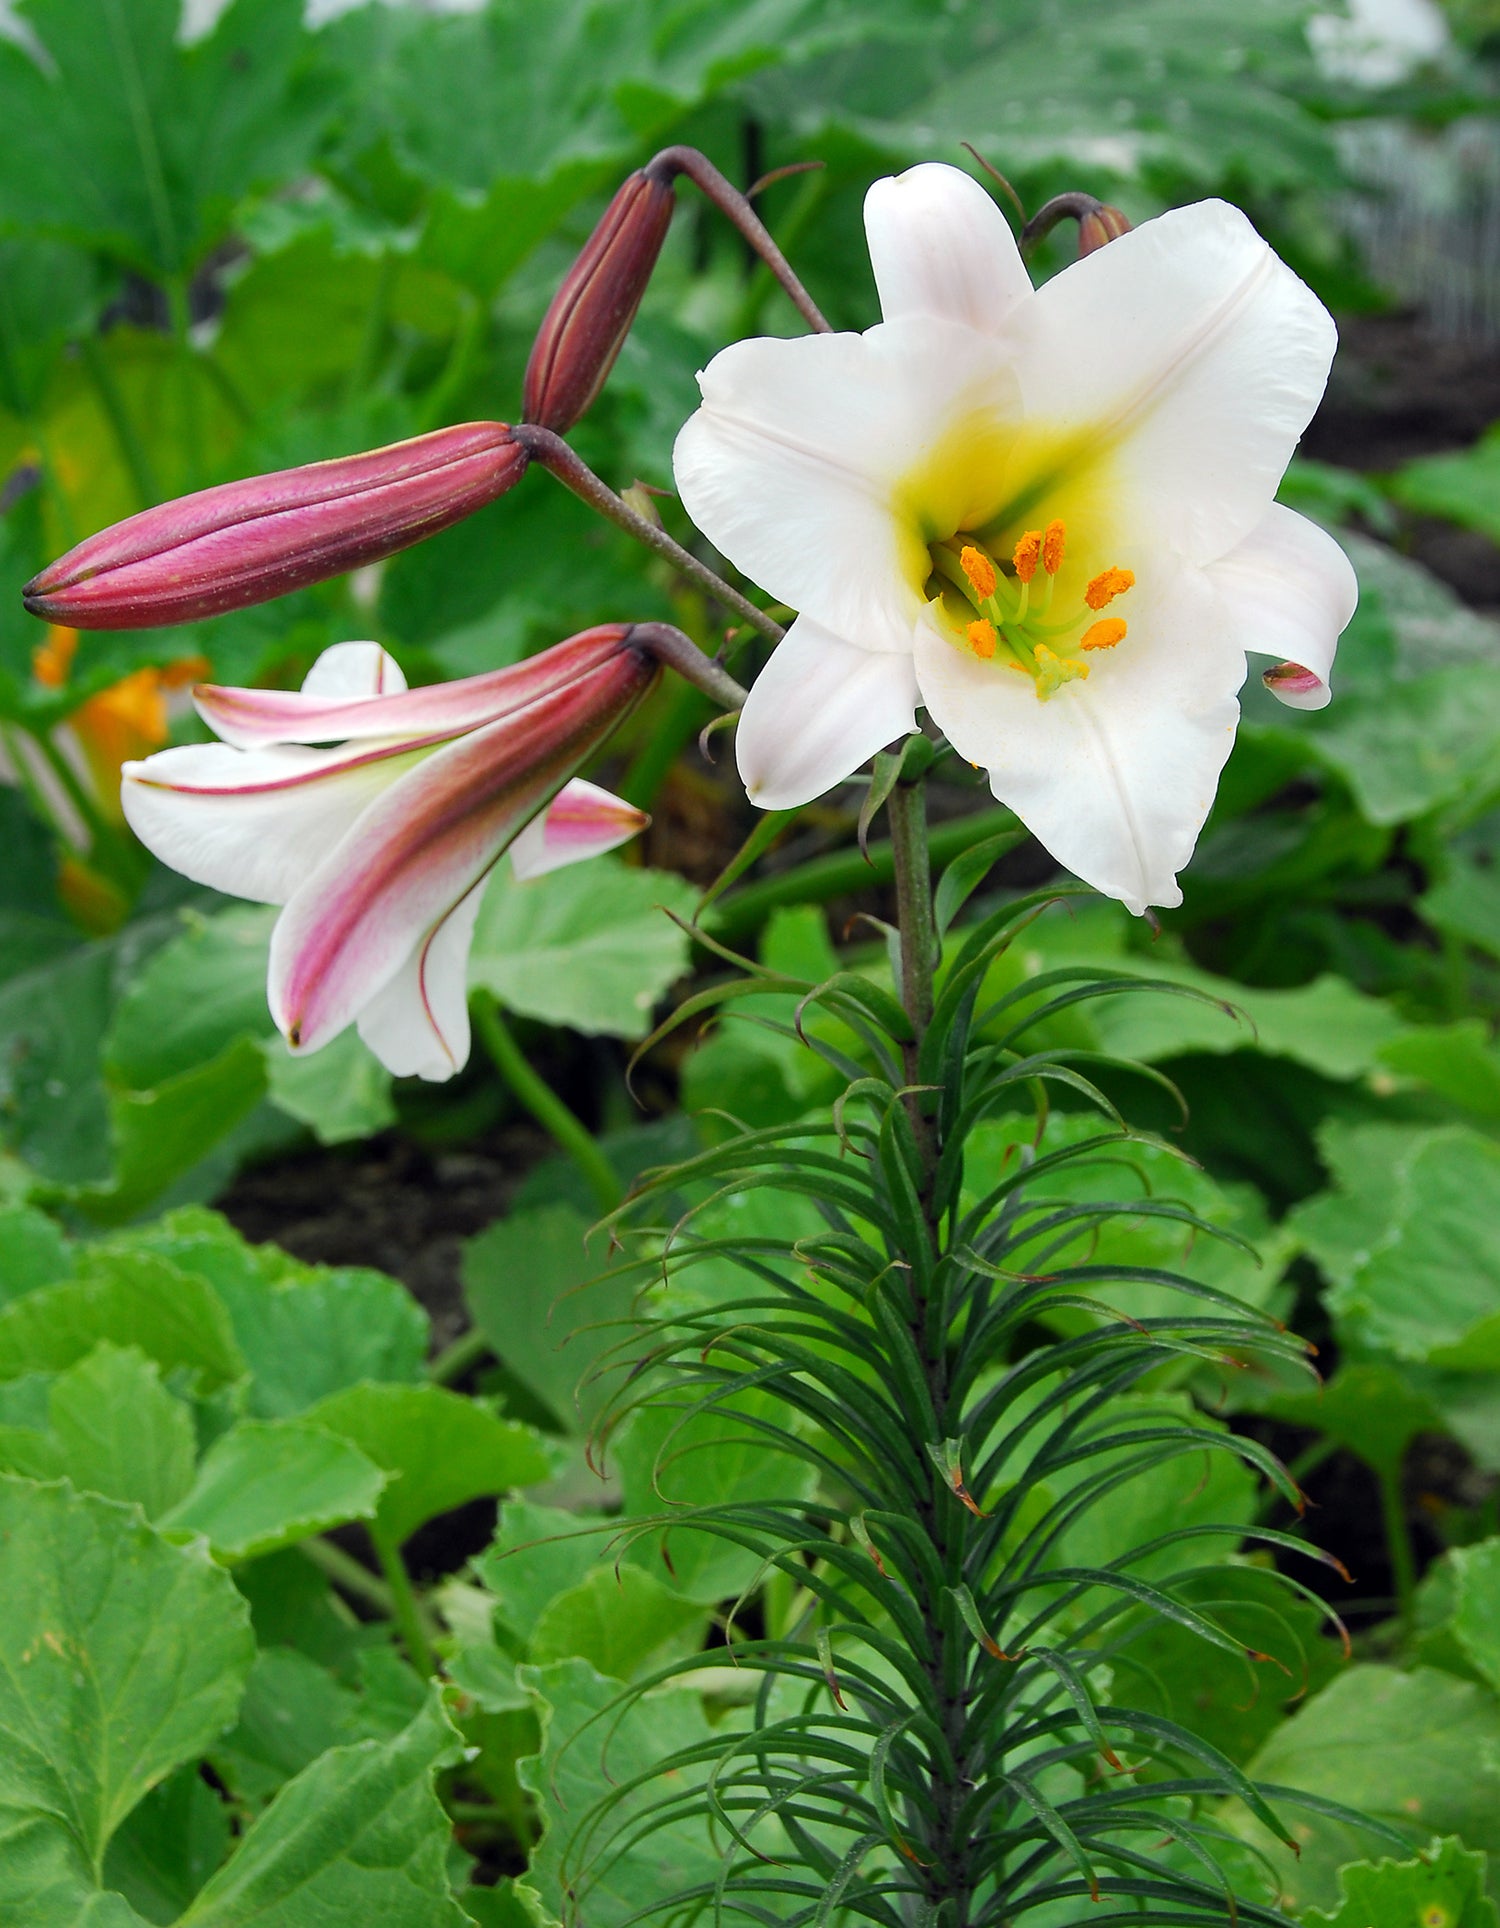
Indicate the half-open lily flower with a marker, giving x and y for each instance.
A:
(380, 846)
(1046, 515)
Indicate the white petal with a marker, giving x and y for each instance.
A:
(1188, 359)
(354, 923)
(252, 823)
(940, 246)
(354, 669)
(1114, 775)
(1289, 590)
(581, 821)
(819, 709)
(418, 1026)
(799, 466)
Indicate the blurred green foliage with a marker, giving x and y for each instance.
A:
(274, 244)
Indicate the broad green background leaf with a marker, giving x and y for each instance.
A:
(529, 1285)
(357, 1835)
(583, 1760)
(132, 1299)
(621, 1622)
(1463, 488)
(1459, 1612)
(304, 1331)
(1160, 1666)
(292, 1712)
(123, 1656)
(135, 145)
(268, 1483)
(1442, 1888)
(590, 946)
(1421, 1751)
(440, 1448)
(169, 1846)
(33, 1252)
(120, 1433)
(1410, 1240)
(670, 1462)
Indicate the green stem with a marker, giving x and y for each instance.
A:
(1398, 1539)
(405, 1610)
(350, 1574)
(843, 871)
(132, 449)
(454, 1361)
(543, 1102)
(560, 461)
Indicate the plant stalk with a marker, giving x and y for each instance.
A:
(543, 1102)
(574, 473)
(949, 1887)
(405, 1609)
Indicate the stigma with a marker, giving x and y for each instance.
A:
(1013, 622)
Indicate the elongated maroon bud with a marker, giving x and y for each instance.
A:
(590, 316)
(246, 542)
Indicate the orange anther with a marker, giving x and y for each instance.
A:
(1028, 553)
(982, 639)
(1108, 584)
(977, 566)
(1103, 635)
(1054, 541)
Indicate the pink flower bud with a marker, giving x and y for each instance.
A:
(1102, 223)
(590, 316)
(246, 542)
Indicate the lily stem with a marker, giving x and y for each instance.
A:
(912, 866)
(559, 460)
(543, 1102)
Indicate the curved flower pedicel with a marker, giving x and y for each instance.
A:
(380, 847)
(1046, 515)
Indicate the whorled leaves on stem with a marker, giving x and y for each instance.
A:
(942, 1726)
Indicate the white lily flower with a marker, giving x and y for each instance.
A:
(1046, 515)
(380, 848)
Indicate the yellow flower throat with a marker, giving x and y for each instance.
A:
(1014, 623)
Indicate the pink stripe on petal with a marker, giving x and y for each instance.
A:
(250, 717)
(1297, 687)
(426, 842)
(581, 821)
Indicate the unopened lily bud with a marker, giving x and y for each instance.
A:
(1102, 223)
(245, 542)
(590, 316)
(1098, 222)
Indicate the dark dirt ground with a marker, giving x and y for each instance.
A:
(405, 1206)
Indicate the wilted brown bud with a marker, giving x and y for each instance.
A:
(590, 316)
(1097, 221)
(246, 542)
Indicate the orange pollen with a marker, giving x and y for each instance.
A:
(1103, 635)
(1028, 554)
(1054, 541)
(982, 637)
(977, 566)
(1108, 584)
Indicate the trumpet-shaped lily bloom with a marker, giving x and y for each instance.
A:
(1045, 514)
(375, 814)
